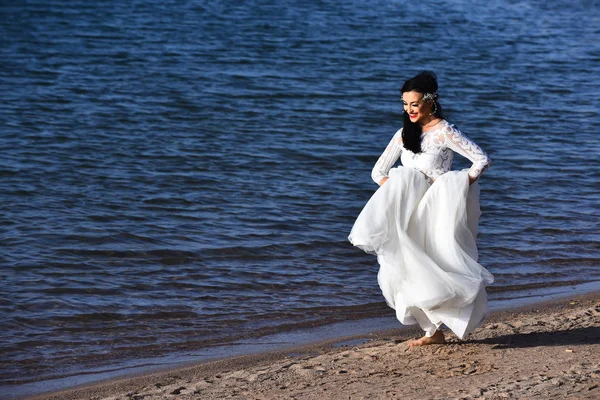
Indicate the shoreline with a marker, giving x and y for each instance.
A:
(184, 374)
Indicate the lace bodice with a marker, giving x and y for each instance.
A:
(437, 152)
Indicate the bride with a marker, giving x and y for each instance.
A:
(422, 221)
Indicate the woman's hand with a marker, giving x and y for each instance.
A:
(383, 180)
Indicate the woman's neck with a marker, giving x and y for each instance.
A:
(431, 123)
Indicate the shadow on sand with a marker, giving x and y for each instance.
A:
(572, 337)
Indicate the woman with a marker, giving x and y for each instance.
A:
(422, 221)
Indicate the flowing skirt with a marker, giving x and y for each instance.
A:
(424, 238)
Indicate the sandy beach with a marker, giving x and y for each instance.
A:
(545, 351)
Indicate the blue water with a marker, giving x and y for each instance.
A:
(176, 176)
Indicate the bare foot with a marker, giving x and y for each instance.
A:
(437, 338)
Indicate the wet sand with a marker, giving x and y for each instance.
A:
(545, 351)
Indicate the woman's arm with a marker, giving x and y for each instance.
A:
(388, 158)
(461, 144)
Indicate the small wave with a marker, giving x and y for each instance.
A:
(80, 290)
(155, 254)
(538, 285)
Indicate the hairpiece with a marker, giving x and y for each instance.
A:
(430, 96)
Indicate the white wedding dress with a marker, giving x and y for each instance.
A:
(422, 225)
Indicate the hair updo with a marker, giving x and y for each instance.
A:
(424, 82)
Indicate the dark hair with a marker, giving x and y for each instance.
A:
(424, 82)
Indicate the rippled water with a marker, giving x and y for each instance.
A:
(175, 176)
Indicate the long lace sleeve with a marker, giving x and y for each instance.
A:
(461, 144)
(388, 158)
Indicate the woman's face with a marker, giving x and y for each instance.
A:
(418, 110)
